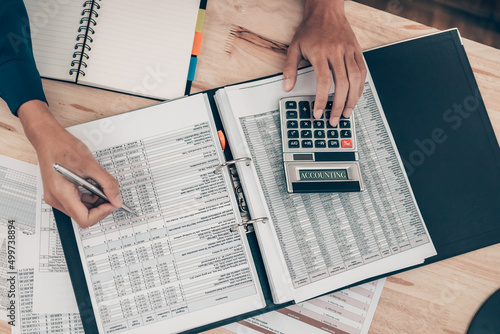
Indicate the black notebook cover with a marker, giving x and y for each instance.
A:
(444, 136)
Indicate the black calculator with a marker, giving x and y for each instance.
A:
(318, 157)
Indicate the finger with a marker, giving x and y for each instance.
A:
(84, 215)
(294, 56)
(358, 56)
(89, 199)
(68, 201)
(107, 182)
(341, 88)
(354, 78)
(323, 85)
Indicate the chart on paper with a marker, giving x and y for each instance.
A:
(179, 255)
(322, 235)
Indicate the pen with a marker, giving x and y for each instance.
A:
(87, 185)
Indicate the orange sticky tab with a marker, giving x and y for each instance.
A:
(222, 139)
(196, 43)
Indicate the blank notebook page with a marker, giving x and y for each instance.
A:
(54, 29)
(142, 47)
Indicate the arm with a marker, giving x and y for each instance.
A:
(21, 88)
(326, 39)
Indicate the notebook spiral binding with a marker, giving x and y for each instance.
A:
(83, 39)
(248, 225)
(231, 162)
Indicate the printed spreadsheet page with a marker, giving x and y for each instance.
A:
(325, 240)
(177, 265)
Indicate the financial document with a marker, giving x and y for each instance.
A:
(19, 185)
(327, 238)
(349, 311)
(178, 256)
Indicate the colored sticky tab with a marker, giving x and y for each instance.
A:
(200, 20)
(197, 43)
(192, 68)
(222, 139)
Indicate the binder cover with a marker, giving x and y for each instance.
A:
(444, 136)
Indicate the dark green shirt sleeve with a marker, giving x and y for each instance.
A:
(19, 79)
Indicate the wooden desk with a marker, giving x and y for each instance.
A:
(247, 39)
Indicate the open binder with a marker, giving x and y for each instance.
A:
(410, 82)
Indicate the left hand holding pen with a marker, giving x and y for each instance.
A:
(326, 39)
(54, 144)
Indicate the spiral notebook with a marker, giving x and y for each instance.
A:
(145, 48)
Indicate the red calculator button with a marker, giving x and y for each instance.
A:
(346, 143)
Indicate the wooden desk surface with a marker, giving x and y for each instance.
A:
(247, 39)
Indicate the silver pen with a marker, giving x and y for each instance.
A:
(87, 185)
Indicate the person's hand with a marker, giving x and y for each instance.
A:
(326, 40)
(54, 144)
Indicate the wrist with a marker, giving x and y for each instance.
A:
(321, 8)
(37, 120)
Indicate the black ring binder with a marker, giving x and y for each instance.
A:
(231, 162)
(89, 13)
(248, 224)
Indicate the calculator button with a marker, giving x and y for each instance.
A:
(318, 124)
(347, 143)
(319, 134)
(329, 105)
(332, 134)
(333, 143)
(320, 144)
(293, 144)
(291, 114)
(292, 124)
(293, 134)
(328, 125)
(345, 133)
(291, 105)
(305, 124)
(306, 134)
(327, 115)
(345, 124)
(307, 144)
(304, 110)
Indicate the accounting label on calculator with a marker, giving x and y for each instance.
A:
(318, 157)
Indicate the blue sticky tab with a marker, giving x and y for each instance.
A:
(192, 68)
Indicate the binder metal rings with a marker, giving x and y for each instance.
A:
(231, 162)
(248, 224)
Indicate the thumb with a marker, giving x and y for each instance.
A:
(293, 59)
(108, 184)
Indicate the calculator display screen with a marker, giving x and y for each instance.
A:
(322, 174)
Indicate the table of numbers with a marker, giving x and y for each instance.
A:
(325, 234)
(179, 254)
